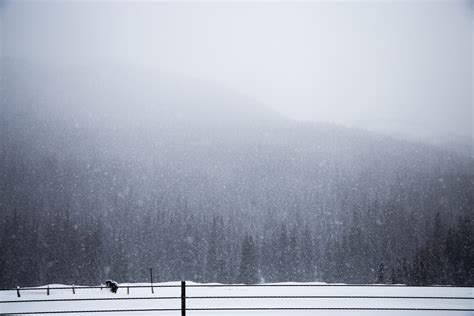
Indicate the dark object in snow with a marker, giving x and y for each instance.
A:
(112, 285)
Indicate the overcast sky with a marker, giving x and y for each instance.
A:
(369, 64)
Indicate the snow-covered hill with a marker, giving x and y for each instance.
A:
(338, 299)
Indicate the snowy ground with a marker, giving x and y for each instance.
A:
(135, 300)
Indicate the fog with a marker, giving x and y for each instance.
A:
(398, 67)
(236, 143)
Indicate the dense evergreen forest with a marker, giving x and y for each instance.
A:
(106, 173)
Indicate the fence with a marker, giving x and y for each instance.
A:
(184, 298)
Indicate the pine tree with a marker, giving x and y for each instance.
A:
(307, 256)
(211, 260)
(381, 273)
(248, 272)
(283, 255)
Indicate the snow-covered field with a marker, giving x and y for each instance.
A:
(138, 299)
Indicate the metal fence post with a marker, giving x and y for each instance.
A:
(73, 290)
(47, 291)
(151, 279)
(183, 298)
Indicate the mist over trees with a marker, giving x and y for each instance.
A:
(105, 172)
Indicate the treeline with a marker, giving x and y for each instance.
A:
(63, 223)
(70, 255)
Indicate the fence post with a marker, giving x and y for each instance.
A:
(183, 298)
(151, 279)
(47, 291)
(73, 290)
(18, 291)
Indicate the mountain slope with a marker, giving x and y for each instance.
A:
(116, 168)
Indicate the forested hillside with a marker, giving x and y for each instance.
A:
(147, 169)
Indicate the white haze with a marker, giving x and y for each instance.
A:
(398, 67)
